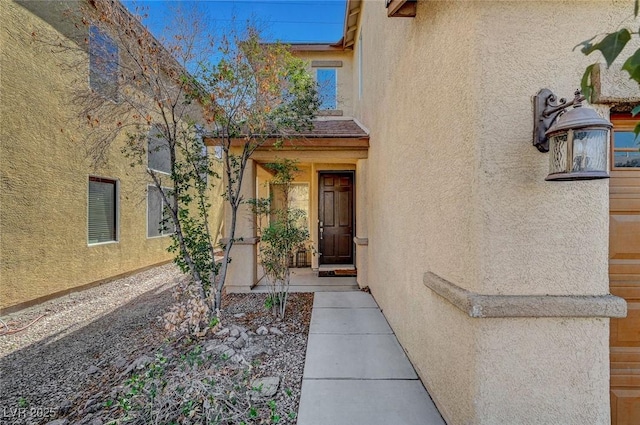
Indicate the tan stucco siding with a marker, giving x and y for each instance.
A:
(418, 104)
(542, 371)
(45, 176)
(419, 109)
(537, 237)
(456, 188)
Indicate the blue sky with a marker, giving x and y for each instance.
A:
(301, 21)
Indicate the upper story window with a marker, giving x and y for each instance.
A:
(102, 221)
(103, 64)
(625, 145)
(328, 88)
(158, 154)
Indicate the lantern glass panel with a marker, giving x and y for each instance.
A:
(558, 153)
(590, 150)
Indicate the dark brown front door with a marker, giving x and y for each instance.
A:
(336, 218)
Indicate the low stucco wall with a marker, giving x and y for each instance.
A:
(542, 371)
(458, 190)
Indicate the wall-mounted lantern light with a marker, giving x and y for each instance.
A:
(576, 139)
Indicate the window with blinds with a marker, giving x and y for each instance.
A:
(102, 222)
(158, 218)
(158, 155)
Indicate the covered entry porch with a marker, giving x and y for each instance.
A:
(331, 188)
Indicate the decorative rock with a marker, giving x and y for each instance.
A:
(225, 350)
(264, 387)
(58, 422)
(238, 358)
(239, 315)
(91, 406)
(235, 332)
(86, 420)
(230, 340)
(120, 362)
(276, 331)
(89, 403)
(96, 421)
(254, 350)
(223, 332)
(221, 348)
(64, 408)
(244, 336)
(262, 330)
(93, 369)
(210, 346)
(139, 363)
(239, 343)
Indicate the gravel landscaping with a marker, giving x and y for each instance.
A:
(102, 356)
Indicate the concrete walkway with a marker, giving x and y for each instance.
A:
(356, 372)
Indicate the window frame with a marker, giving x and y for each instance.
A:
(625, 123)
(335, 85)
(116, 207)
(107, 78)
(162, 233)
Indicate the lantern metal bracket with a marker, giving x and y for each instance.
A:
(546, 108)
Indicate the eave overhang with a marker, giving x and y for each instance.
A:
(352, 16)
(313, 143)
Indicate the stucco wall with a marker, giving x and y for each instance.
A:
(537, 237)
(458, 190)
(362, 233)
(43, 218)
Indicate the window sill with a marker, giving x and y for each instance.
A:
(160, 236)
(330, 113)
(159, 171)
(102, 243)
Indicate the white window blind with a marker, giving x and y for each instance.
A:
(158, 155)
(158, 218)
(102, 223)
